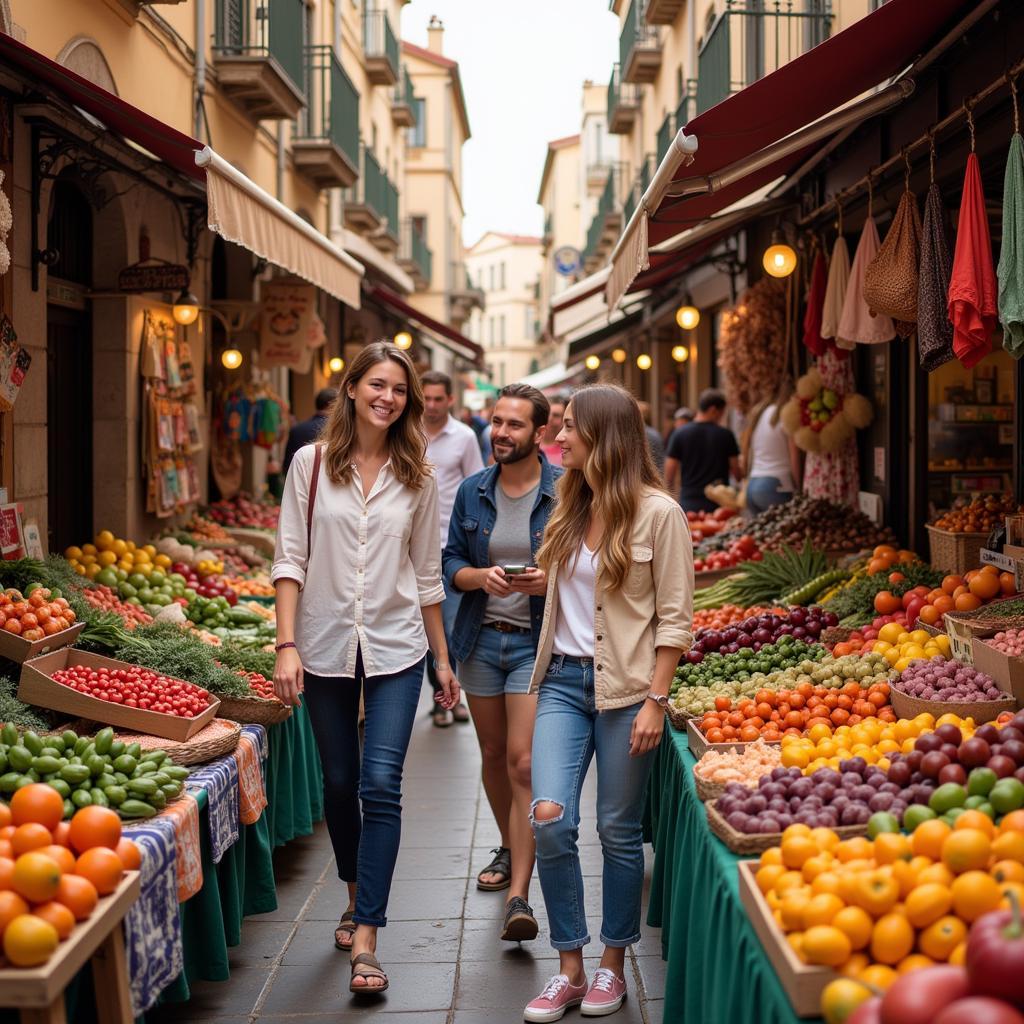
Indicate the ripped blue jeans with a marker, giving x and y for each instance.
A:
(568, 733)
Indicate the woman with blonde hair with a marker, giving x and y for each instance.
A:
(619, 562)
(357, 574)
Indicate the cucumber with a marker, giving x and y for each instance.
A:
(134, 750)
(143, 786)
(116, 795)
(61, 786)
(172, 790)
(104, 739)
(32, 741)
(176, 771)
(156, 756)
(75, 774)
(3, 762)
(70, 738)
(136, 809)
(9, 733)
(9, 781)
(46, 765)
(81, 798)
(99, 798)
(56, 742)
(69, 808)
(125, 763)
(19, 758)
(117, 748)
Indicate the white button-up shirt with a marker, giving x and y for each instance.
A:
(373, 564)
(455, 454)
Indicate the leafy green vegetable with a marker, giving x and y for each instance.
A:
(859, 597)
(238, 657)
(17, 712)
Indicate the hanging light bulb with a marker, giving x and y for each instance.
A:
(592, 362)
(688, 317)
(336, 364)
(643, 361)
(186, 308)
(680, 353)
(403, 339)
(619, 355)
(779, 258)
(231, 358)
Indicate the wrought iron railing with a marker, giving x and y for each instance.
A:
(404, 93)
(379, 39)
(635, 32)
(620, 93)
(414, 248)
(264, 28)
(374, 190)
(332, 103)
(611, 201)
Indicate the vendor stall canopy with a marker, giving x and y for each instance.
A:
(238, 209)
(769, 128)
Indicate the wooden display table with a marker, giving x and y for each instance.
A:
(38, 992)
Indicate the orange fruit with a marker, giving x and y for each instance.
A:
(821, 909)
(815, 866)
(914, 962)
(891, 846)
(1005, 888)
(61, 832)
(976, 819)
(826, 945)
(31, 836)
(975, 893)
(878, 975)
(95, 826)
(827, 881)
(58, 915)
(791, 909)
(37, 803)
(1013, 822)
(1009, 846)
(936, 873)
(765, 877)
(773, 855)
(6, 872)
(959, 955)
(985, 585)
(941, 937)
(78, 895)
(856, 924)
(36, 877)
(927, 903)
(967, 602)
(5, 815)
(795, 850)
(966, 849)
(857, 848)
(892, 939)
(130, 854)
(30, 941)
(928, 838)
(1002, 870)
(61, 855)
(104, 869)
(853, 967)
(11, 906)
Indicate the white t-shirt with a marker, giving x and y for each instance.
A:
(574, 626)
(455, 454)
(769, 451)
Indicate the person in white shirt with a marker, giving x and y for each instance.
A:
(770, 456)
(454, 451)
(357, 574)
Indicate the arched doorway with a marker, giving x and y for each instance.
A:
(69, 380)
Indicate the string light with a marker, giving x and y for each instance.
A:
(619, 355)
(403, 339)
(231, 358)
(688, 317)
(592, 362)
(779, 259)
(680, 353)
(643, 361)
(336, 364)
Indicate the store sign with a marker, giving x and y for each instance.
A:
(289, 326)
(568, 260)
(155, 276)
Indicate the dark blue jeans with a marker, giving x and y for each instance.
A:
(365, 839)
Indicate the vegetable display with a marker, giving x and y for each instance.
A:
(107, 550)
(137, 688)
(106, 599)
(727, 614)
(36, 614)
(745, 766)
(1010, 641)
(951, 681)
(856, 603)
(768, 580)
(244, 511)
(757, 631)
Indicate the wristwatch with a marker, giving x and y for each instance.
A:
(660, 699)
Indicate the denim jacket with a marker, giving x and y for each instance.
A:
(469, 533)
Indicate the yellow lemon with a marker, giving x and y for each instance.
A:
(88, 549)
(106, 557)
(881, 646)
(73, 553)
(890, 632)
(119, 548)
(920, 636)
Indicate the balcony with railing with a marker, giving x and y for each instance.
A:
(403, 104)
(414, 255)
(463, 295)
(608, 221)
(380, 47)
(623, 104)
(639, 47)
(371, 205)
(326, 143)
(752, 38)
(549, 229)
(258, 54)
(639, 186)
(663, 12)
(666, 133)
(597, 175)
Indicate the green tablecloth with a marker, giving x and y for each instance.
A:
(717, 968)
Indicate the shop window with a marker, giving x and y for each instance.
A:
(418, 134)
(971, 429)
(70, 233)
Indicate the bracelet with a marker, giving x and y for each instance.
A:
(442, 668)
(285, 645)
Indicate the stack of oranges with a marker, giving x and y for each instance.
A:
(53, 872)
(885, 556)
(877, 909)
(966, 593)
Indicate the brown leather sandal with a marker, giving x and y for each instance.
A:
(346, 926)
(366, 965)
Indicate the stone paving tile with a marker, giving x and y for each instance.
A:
(432, 941)
(426, 862)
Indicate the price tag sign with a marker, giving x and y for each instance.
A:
(1005, 564)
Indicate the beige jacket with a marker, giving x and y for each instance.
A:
(653, 609)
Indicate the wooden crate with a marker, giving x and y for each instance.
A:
(40, 988)
(17, 648)
(1007, 671)
(38, 687)
(699, 745)
(802, 983)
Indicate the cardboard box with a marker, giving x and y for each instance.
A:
(17, 648)
(699, 745)
(1007, 671)
(802, 983)
(38, 687)
(961, 639)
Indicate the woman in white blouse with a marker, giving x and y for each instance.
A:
(358, 580)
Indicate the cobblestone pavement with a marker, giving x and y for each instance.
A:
(441, 948)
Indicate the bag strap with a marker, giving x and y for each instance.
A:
(311, 501)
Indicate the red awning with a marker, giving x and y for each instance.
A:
(164, 142)
(448, 336)
(873, 49)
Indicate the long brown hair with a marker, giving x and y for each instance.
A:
(618, 469)
(407, 445)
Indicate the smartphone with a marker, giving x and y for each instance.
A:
(514, 570)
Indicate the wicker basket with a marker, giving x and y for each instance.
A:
(677, 717)
(217, 739)
(254, 710)
(981, 711)
(745, 844)
(708, 790)
(955, 552)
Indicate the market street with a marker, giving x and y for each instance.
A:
(441, 946)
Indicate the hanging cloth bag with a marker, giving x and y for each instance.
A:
(934, 331)
(858, 325)
(816, 307)
(835, 289)
(1010, 272)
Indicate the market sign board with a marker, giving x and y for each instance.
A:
(568, 260)
(156, 276)
(289, 325)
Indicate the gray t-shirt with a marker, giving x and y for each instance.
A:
(510, 545)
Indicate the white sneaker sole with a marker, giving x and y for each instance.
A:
(601, 1009)
(545, 1016)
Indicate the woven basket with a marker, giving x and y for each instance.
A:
(677, 717)
(217, 739)
(253, 710)
(981, 711)
(708, 790)
(743, 843)
(955, 552)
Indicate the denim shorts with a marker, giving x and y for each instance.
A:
(499, 663)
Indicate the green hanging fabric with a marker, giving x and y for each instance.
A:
(1011, 256)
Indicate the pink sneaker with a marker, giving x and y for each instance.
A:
(607, 993)
(557, 997)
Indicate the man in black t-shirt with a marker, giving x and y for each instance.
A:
(700, 453)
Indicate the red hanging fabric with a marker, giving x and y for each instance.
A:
(816, 306)
(973, 286)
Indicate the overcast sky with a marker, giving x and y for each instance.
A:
(523, 64)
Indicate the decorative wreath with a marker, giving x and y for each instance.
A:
(820, 419)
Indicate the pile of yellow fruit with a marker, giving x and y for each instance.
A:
(900, 647)
(108, 551)
(872, 739)
(209, 567)
(876, 909)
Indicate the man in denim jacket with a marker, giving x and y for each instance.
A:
(496, 527)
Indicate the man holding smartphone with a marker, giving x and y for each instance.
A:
(497, 525)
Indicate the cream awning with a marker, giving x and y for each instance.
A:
(243, 213)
